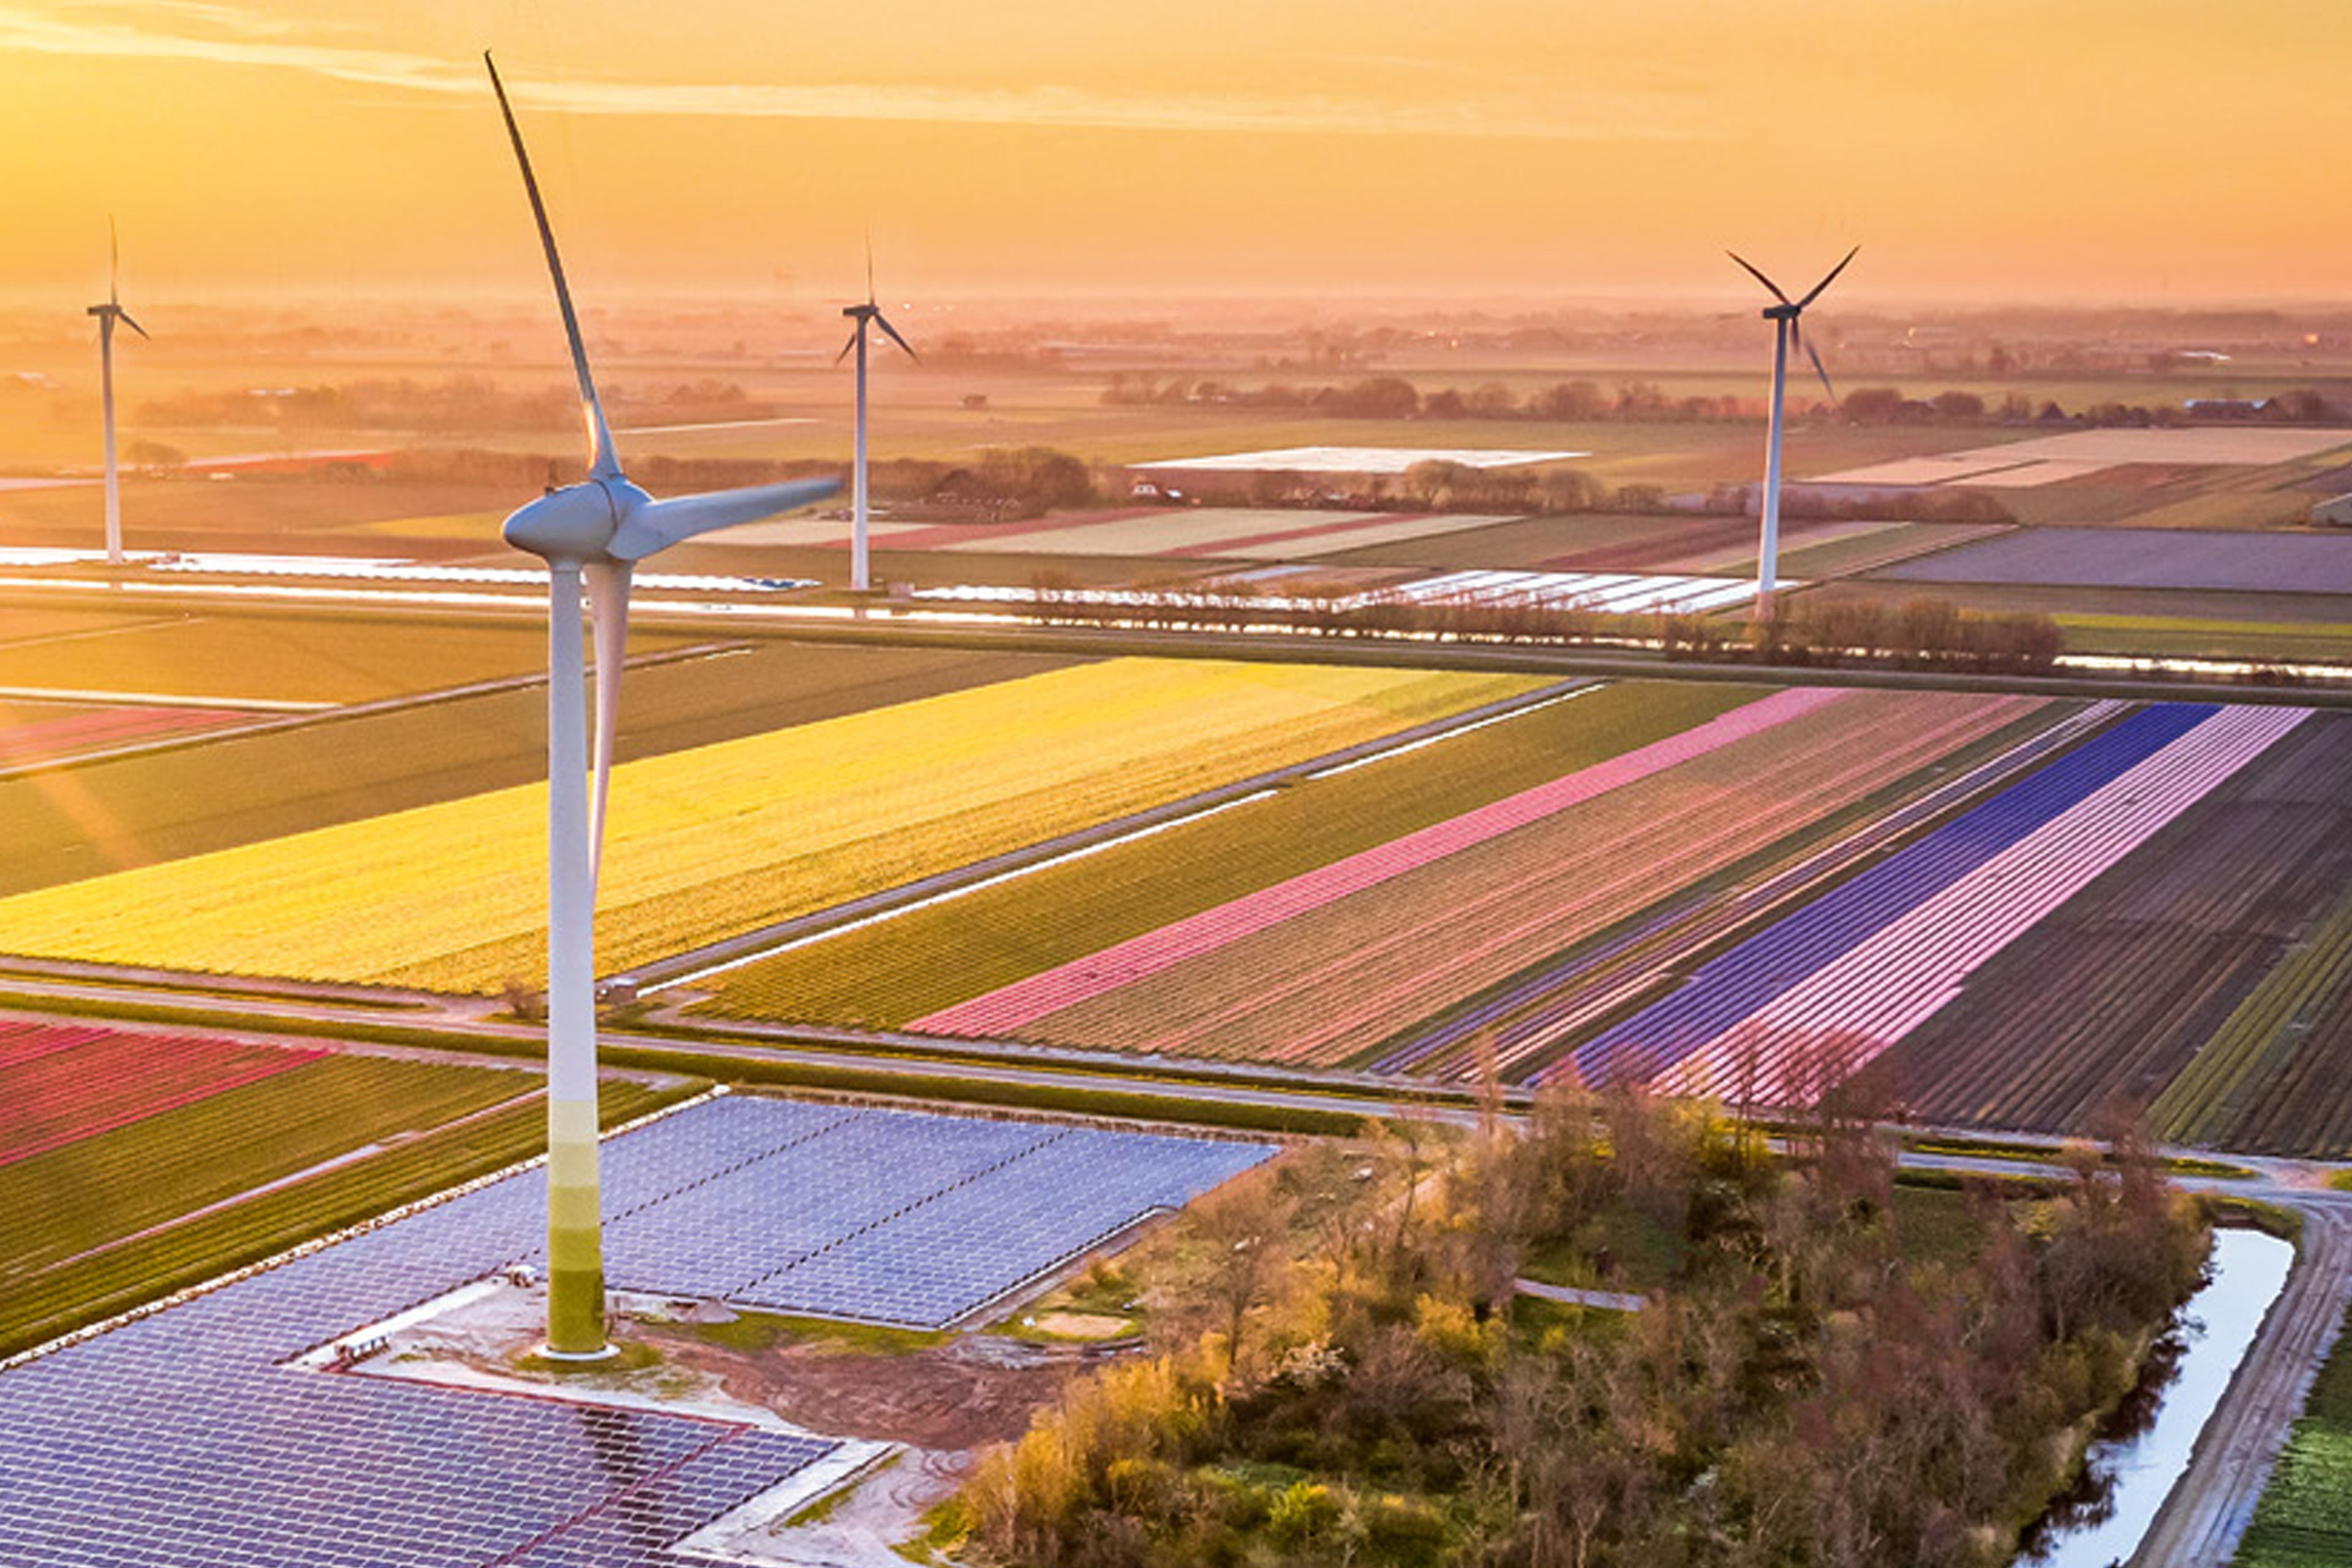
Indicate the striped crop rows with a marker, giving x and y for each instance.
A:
(61, 1082)
(1324, 967)
(1857, 969)
(728, 837)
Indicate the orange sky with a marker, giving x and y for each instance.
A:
(1997, 150)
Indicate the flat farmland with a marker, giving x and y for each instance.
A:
(2305, 1517)
(276, 512)
(2285, 611)
(1852, 973)
(2189, 637)
(1208, 532)
(45, 731)
(1325, 965)
(2144, 558)
(2145, 988)
(136, 1160)
(925, 960)
(724, 838)
(68, 825)
(225, 658)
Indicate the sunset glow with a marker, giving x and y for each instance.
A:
(2099, 151)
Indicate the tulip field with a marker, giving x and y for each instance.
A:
(132, 1161)
(725, 838)
(2138, 905)
(32, 733)
(2007, 911)
(1322, 968)
(1861, 967)
(892, 972)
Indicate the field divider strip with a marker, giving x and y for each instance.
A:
(161, 700)
(750, 947)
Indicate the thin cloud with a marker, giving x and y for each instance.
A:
(235, 39)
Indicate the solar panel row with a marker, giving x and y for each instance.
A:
(182, 1438)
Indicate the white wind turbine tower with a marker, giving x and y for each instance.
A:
(108, 314)
(595, 532)
(860, 576)
(1783, 316)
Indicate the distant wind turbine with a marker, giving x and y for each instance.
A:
(108, 314)
(594, 532)
(860, 577)
(1784, 318)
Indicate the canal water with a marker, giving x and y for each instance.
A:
(2130, 1474)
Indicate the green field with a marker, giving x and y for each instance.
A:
(2305, 1517)
(2179, 638)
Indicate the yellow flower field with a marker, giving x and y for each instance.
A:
(720, 840)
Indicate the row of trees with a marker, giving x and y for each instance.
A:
(459, 405)
(1919, 634)
(1395, 397)
(1344, 1375)
(1586, 402)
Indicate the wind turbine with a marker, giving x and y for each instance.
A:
(594, 532)
(108, 314)
(860, 577)
(1784, 318)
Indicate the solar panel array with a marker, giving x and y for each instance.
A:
(180, 1438)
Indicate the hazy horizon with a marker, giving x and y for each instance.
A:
(2140, 155)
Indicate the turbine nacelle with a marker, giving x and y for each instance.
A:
(577, 522)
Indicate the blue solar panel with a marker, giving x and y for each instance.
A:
(180, 1438)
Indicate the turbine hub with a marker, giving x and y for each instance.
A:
(1782, 312)
(574, 524)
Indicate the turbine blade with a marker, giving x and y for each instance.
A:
(608, 610)
(113, 263)
(1819, 368)
(1827, 281)
(1757, 276)
(869, 267)
(602, 462)
(656, 525)
(850, 344)
(127, 322)
(884, 322)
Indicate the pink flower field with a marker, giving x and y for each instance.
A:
(59, 1083)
